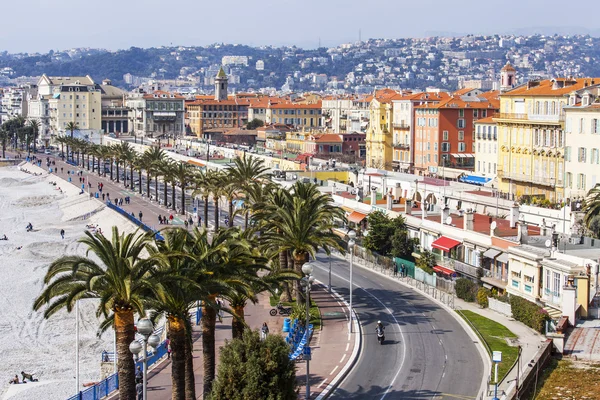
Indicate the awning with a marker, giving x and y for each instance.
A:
(503, 258)
(196, 163)
(443, 270)
(356, 217)
(445, 243)
(475, 180)
(491, 253)
(469, 155)
(347, 209)
(456, 155)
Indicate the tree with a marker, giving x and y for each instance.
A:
(201, 184)
(118, 283)
(72, 127)
(35, 125)
(251, 368)
(389, 237)
(591, 205)
(426, 262)
(4, 136)
(255, 123)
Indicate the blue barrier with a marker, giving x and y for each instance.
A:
(110, 384)
(136, 221)
(73, 163)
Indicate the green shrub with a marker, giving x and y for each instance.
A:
(482, 297)
(529, 313)
(466, 289)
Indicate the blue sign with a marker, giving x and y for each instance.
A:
(306, 350)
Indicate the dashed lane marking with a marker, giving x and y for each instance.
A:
(344, 357)
(335, 369)
(322, 383)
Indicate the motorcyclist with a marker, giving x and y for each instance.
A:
(379, 327)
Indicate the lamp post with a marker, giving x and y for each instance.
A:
(307, 269)
(351, 242)
(145, 329)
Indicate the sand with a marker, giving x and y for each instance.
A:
(29, 342)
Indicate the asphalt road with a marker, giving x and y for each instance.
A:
(426, 353)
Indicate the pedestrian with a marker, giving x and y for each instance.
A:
(116, 202)
(140, 215)
(61, 170)
(102, 196)
(171, 218)
(168, 345)
(395, 270)
(121, 201)
(62, 233)
(185, 222)
(199, 221)
(190, 221)
(160, 219)
(219, 310)
(264, 331)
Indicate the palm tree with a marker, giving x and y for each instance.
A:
(201, 183)
(72, 127)
(35, 125)
(118, 283)
(4, 136)
(165, 169)
(183, 173)
(129, 156)
(174, 293)
(303, 225)
(216, 184)
(154, 156)
(591, 205)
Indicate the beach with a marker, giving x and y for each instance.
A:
(29, 342)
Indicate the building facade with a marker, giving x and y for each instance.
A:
(486, 147)
(158, 115)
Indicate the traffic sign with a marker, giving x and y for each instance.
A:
(497, 356)
(306, 350)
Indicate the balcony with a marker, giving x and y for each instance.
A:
(539, 180)
(555, 119)
(456, 265)
(401, 126)
(402, 146)
(552, 297)
(515, 116)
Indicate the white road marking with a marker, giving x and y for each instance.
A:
(335, 369)
(348, 346)
(322, 383)
(342, 360)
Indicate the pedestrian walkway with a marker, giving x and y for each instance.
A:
(583, 342)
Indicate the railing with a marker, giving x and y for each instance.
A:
(462, 267)
(402, 146)
(510, 116)
(401, 126)
(546, 118)
(136, 221)
(110, 384)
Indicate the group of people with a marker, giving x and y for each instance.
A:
(163, 220)
(399, 269)
(26, 377)
(119, 202)
(29, 227)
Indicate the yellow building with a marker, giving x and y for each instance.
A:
(531, 139)
(379, 139)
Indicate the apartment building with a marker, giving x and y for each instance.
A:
(115, 115)
(582, 142)
(346, 114)
(486, 147)
(531, 137)
(158, 115)
(379, 140)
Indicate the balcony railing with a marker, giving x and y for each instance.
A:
(546, 118)
(533, 179)
(510, 116)
(403, 146)
(401, 126)
(456, 265)
(552, 296)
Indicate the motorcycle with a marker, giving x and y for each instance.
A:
(281, 309)
(380, 335)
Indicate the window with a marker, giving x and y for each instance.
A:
(461, 135)
(568, 153)
(445, 135)
(460, 123)
(581, 181)
(461, 146)
(580, 125)
(569, 180)
(475, 113)
(581, 154)
(595, 126)
(461, 113)
(445, 147)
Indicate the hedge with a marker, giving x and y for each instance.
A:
(466, 289)
(529, 313)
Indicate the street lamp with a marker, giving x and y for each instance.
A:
(351, 243)
(308, 279)
(145, 329)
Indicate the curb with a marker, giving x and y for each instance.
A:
(482, 393)
(339, 378)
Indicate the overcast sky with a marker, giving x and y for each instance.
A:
(41, 25)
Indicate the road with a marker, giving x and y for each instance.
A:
(426, 355)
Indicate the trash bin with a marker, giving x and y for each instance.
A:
(286, 325)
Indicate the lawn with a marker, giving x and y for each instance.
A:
(495, 335)
(314, 310)
(564, 380)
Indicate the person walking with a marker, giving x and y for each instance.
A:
(168, 344)
(140, 215)
(185, 222)
(102, 196)
(62, 233)
(199, 221)
(264, 331)
(219, 310)
(395, 270)
(171, 218)
(159, 219)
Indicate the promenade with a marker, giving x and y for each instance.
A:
(332, 346)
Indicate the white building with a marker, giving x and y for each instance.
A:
(582, 142)
(346, 114)
(486, 147)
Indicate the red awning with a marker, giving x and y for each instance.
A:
(356, 217)
(445, 243)
(443, 270)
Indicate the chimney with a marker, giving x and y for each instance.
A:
(514, 215)
(445, 214)
(521, 232)
(389, 200)
(408, 207)
(373, 196)
(469, 220)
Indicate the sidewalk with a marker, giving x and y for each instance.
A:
(331, 346)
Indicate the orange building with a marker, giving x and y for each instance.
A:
(444, 131)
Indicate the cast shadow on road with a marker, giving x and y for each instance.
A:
(376, 392)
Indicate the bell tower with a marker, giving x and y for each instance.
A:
(221, 81)
(508, 78)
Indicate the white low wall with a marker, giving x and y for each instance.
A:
(499, 306)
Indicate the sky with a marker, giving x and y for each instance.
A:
(43, 25)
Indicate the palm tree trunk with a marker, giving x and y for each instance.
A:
(126, 368)
(205, 212)
(156, 187)
(111, 169)
(299, 260)
(148, 177)
(246, 217)
(286, 295)
(178, 339)
(216, 200)
(237, 324)
(131, 186)
(190, 380)
(165, 193)
(208, 346)
(173, 194)
(118, 162)
(183, 198)
(230, 212)
(140, 178)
